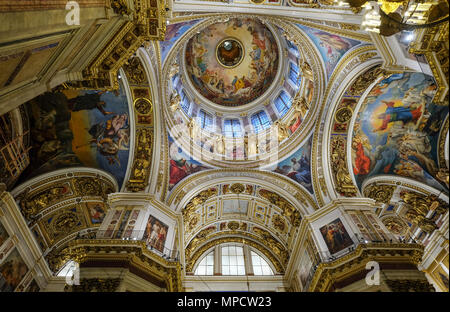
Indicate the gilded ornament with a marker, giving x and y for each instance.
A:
(365, 80)
(174, 69)
(159, 181)
(408, 285)
(292, 214)
(279, 224)
(141, 166)
(175, 101)
(233, 225)
(344, 183)
(343, 114)
(443, 176)
(282, 130)
(65, 222)
(32, 204)
(135, 71)
(143, 106)
(237, 188)
(95, 285)
(395, 225)
(423, 203)
(381, 193)
(87, 186)
(120, 7)
(367, 56)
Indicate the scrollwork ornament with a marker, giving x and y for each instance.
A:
(143, 106)
(366, 79)
(120, 7)
(381, 193)
(135, 71)
(343, 114)
(395, 225)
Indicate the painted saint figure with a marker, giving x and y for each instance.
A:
(87, 102)
(398, 113)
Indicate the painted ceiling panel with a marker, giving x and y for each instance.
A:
(72, 128)
(397, 130)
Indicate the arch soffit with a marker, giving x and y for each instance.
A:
(350, 67)
(295, 194)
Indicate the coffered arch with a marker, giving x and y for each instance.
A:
(285, 187)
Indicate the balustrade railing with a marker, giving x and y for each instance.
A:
(327, 257)
(155, 244)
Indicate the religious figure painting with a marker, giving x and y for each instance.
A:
(298, 166)
(173, 33)
(181, 164)
(79, 128)
(332, 47)
(12, 271)
(97, 212)
(234, 62)
(335, 236)
(397, 129)
(155, 233)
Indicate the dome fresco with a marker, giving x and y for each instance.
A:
(232, 63)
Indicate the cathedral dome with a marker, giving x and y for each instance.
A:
(232, 63)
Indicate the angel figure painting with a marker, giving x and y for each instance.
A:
(79, 128)
(397, 130)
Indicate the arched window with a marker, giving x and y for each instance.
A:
(206, 266)
(232, 128)
(260, 121)
(234, 260)
(206, 120)
(260, 266)
(68, 268)
(294, 75)
(283, 102)
(291, 45)
(185, 104)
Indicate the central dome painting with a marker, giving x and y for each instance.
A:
(232, 63)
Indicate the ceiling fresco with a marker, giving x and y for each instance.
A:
(181, 164)
(232, 63)
(397, 129)
(173, 33)
(297, 166)
(331, 47)
(72, 128)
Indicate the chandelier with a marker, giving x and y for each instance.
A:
(388, 17)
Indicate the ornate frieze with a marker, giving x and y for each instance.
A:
(95, 284)
(328, 274)
(418, 207)
(144, 115)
